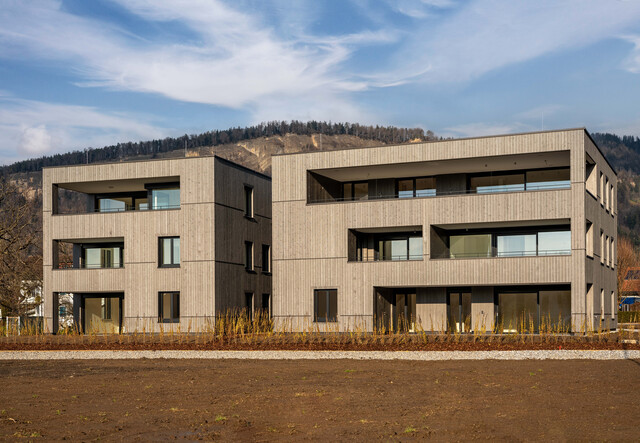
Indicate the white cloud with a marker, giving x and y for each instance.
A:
(30, 128)
(35, 140)
(632, 62)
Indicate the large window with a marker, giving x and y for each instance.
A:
(548, 179)
(474, 245)
(165, 198)
(325, 305)
(99, 256)
(248, 201)
(355, 191)
(520, 181)
(497, 183)
(416, 187)
(509, 242)
(395, 246)
(169, 252)
(168, 307)
(533, 311)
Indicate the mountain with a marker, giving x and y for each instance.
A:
(253, 147)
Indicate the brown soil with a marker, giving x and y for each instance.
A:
(327, 400)
(318, 342)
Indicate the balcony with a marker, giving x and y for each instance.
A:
(500, 242)
(94, 254)
(397, 244)
(117, 196)
(517, 173)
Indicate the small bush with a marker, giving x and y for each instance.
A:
(629, 317)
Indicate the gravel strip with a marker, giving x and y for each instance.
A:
(324, 355)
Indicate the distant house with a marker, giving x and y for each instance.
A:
(630, 296)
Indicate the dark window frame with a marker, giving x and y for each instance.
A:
(174, 307)
(249, 207)
(249, 304)
(266, 260)
(414, 182)
(353, 186)
(495, 233)
(249, 262)
(516, 172)
(161, 254)
(327, 294)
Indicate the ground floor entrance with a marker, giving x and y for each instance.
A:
(101, 313)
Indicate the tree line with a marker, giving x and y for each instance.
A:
(151, 148)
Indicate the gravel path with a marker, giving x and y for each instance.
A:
(323, 355)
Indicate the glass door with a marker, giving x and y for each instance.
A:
(459, 312)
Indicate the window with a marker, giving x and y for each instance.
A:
(548, 179)
(169, 252)
(416, 187)
(248, 201)
(613, 255)
(518, 245)
(607, 260)
(601, 247)
(614, 308)
(266, 298)
(601, 189)
(602, 304)
(168, 307)
(325, 305)
(462, 246)
(554, 243)
(612, 200)
(497, 183)
(607, 203)
(106, 308)
(248, 255)
(165, 198)
(266, 259)
(355, 191)
(98, 256)
(248, 304)
(589, 239)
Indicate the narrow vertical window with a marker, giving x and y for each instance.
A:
(607, 260)
(248, 304)
(266, 304)
(607, 203)
(612, 252)
(589, 239)
(266, 259)
(602, 304)
(614, 305)
(248, 255)
(601, 190)
(169, 252)
(168, 307)
(601, 246)
(248, 201)
(325, 305)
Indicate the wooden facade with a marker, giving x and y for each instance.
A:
(210, 222)
(311, 237)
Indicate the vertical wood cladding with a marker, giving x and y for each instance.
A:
(311, 241)
(209, 221)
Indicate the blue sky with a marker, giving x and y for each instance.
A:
(82, 73)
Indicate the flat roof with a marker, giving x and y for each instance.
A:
(215, 156)
(457, 139)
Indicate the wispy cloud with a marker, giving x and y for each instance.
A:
(486, 35)
(33, 128)
(632, 62)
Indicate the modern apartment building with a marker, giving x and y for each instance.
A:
(506, 233)
(160, 243)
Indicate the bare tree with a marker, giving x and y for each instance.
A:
(20, 249)
(628, 257)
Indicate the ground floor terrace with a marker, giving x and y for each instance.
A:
(504, 309)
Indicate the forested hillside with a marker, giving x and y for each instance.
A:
(253, 147)
(624, 154)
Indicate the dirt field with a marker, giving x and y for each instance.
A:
(328, 400)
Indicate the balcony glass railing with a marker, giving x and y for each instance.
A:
(495, 253)
(434, 193)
